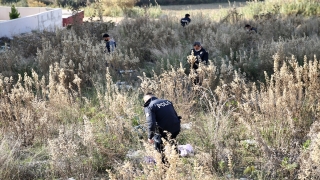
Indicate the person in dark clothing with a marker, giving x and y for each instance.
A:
(250, 29)
(186, 20)
(110, 43)
(161, 119)
(201, 55)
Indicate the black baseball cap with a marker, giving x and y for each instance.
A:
(106, 35)
(196, 43)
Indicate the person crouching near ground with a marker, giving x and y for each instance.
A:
(186, 20)
(250, 29)
(110, 43)
(162, 120)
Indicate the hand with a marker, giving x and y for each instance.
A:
(151, 141)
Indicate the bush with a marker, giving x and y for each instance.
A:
(14, 14)
(178, 2)
(289, 7)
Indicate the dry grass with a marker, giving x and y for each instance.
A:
(216, 10)
(64, 115)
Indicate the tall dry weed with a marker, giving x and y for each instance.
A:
(254, 115)
(176, 168)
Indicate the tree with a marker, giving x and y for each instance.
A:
(14, 14)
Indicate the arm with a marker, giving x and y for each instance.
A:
(151, 121)
(108, 46)
(206, 57)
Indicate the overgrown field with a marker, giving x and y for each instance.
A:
(68, 109)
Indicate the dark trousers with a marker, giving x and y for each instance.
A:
(172, 141)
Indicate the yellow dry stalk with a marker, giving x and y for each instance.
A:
(230, 164)
(191, 59)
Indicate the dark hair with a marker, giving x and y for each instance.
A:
(106, 35)
(149, 94)
(247, 26)
(187, 15)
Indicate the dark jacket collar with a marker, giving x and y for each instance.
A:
(149, 101)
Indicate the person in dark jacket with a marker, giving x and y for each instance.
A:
(250, 29)
(186, 20)
(200, 53)
(110, 43)
(161, 116)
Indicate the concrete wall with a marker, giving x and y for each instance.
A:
(45, 20)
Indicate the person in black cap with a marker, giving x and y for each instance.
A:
(186, 20)
(110, 43)
(200, 53)
(250, 29)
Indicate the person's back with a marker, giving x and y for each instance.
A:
(161, 117)
(164, 113)
(111, 45)
(254, 29)
(186, 20)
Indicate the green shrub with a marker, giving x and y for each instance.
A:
(14, 14)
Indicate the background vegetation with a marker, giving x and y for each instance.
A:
(179, 2)
(67, 109)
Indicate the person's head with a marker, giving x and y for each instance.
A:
(106, 37)
(147, 96)
(197, 46)
(187, 15)
(247, 27)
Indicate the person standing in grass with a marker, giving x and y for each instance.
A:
(162, 120)
(186, 20)
(200, 53)
(110, 43)
(250, 29)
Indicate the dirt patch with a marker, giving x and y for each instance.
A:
(105, 19)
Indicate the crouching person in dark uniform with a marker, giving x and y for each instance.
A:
(250, 29)
(201, 56)
(162, 120)
(186, 20)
